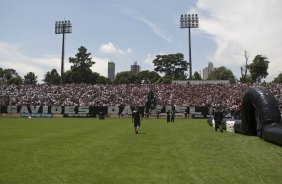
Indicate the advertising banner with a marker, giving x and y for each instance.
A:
(98, 111)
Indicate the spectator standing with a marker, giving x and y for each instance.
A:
(168, 116)
(172, 114)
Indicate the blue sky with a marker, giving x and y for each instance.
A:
(125, 31)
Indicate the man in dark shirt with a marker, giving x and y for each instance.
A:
(136, 119)
(218, 117)
(168, 117)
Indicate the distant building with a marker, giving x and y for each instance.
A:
(207, 71)
(135, 68)
(111, 70)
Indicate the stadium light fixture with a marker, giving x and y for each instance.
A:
(189, 21)
(63, 27)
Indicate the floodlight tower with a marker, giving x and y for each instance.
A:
(189, 21)
(62, 27)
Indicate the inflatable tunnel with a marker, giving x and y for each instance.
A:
(259, 109)
(273, 133)
(258, 113)
(260, 116)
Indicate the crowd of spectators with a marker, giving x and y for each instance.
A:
(227, 95)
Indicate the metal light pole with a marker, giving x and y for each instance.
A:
(189, 21)
(62, 27)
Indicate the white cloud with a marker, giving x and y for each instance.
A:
(100, 66)
(129, 50)
(110, 48)
(156, 29)
(148, 61)
(235, 26)
(12, 57)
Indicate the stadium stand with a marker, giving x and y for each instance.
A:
(228, 96)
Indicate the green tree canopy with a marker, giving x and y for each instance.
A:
(81, 70)
(99, 79)
(222, 73)
(30, 78)
(103, 80)
(164, 80)
(16, 80)
(173, 66)
(52, 77)
(147, 77)
(278, 79)
(2, 76)
(258, 68)
(197, 76)
(126, 77)
(9, 76)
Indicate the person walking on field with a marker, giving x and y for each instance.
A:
(218, 117)
(136, 119)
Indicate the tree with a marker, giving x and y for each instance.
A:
(147, 77)
(278, 79)
(52, 77)
(244, 69)
(258, 68)
(197, 76)
(2, 76)
(126, 77)
(173, 66)
(222, 73)
(104, 80)
(72, 77)
(9, 76)
(30, 78)
(81, 70)
(164, 80)
(16, 80)
(99, 79)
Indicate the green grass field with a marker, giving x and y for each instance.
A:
(57, 151)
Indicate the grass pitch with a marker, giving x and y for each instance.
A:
(76, 150)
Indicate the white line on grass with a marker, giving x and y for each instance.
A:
(252, 166)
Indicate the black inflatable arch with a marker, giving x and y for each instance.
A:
(259, 109)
